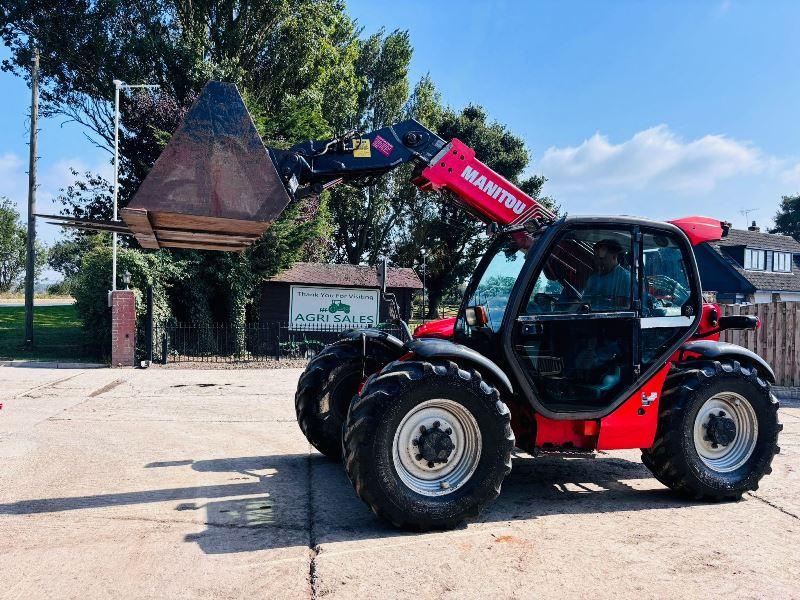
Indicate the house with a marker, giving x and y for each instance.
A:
(750, 266)
(333, 296)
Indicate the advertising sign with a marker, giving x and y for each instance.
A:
(332, 308)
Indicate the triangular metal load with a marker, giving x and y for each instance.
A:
(214, 186)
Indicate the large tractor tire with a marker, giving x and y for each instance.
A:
(427, 444)
(328, 385)
(717, 432)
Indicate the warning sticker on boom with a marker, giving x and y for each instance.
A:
(382, 146)
(361, 148)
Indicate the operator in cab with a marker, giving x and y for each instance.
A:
(609, 286)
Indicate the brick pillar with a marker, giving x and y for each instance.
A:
(123, 328)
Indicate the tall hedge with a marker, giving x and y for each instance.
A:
(91, 285)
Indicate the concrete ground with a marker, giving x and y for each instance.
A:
(172, 484)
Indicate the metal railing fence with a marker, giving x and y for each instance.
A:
(252, 342)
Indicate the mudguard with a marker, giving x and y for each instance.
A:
(428, 349)
(375, 336)
(721, 350)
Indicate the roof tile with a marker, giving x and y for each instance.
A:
(762, 280)
(346, 275)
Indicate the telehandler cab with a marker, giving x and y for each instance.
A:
(575, 334)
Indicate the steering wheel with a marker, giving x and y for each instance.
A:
(545, 301)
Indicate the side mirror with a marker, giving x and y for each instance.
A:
(476, 316)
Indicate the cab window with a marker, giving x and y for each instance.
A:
(667, 302)
(496, 282)
(587, 271)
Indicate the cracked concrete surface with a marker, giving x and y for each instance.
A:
(170, 483)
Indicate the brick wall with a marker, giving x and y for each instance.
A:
(123, 328)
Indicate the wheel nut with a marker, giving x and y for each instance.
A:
(418, 457)
(448, 431)
(415, 441)
(436, 424)
(714, 445)
(430, 464)
(422, 429)
(721, 413)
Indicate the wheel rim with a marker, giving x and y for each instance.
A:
(725, 432)
(425, 430)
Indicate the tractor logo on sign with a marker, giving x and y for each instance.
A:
(336, 306)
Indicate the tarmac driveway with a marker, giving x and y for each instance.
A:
(188, 483)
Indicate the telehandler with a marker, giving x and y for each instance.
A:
(575, 334)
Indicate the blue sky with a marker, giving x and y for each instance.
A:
(654, 109)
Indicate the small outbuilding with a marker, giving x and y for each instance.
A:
(335, 296)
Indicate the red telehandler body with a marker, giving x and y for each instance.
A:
(574, 334)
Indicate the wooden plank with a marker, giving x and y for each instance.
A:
(735, 335)
(791, 326)
(122, 229)
(796, 354)
(780, 342)
(139, 222)
(165, 220)
(768, 337)
(204, 246)
(194, 236)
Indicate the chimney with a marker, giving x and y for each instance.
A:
(753, 227)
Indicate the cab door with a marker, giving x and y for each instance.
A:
(671, 296)
(575, 334)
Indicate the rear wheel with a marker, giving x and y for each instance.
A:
(428, 445)
(717, 433)
(328, 385)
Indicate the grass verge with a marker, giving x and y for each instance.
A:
(57, 335)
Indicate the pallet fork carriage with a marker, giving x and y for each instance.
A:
(574, 334)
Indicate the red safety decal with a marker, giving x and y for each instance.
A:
(382, 146)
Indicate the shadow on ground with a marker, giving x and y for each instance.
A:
(286, 500)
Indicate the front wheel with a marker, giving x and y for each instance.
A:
(717, 433)
(427, 445)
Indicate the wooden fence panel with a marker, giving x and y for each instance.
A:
(777, 340)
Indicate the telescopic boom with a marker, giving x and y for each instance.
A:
(310, 167)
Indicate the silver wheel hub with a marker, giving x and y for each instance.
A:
(725, 432)
(436, 447)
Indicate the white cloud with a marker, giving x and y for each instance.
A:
(791, 175)
(658, 174)
(655, 156)
(52, 177)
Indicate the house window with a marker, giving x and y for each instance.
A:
(782, 262)
(754, 259)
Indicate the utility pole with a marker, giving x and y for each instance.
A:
(30, 259)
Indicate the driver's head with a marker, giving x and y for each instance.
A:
(606, 255)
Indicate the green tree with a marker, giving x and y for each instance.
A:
(787, 221)
(293, 61)
(90, 288)
(364, 217)
(452, 239)
(13, 248)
